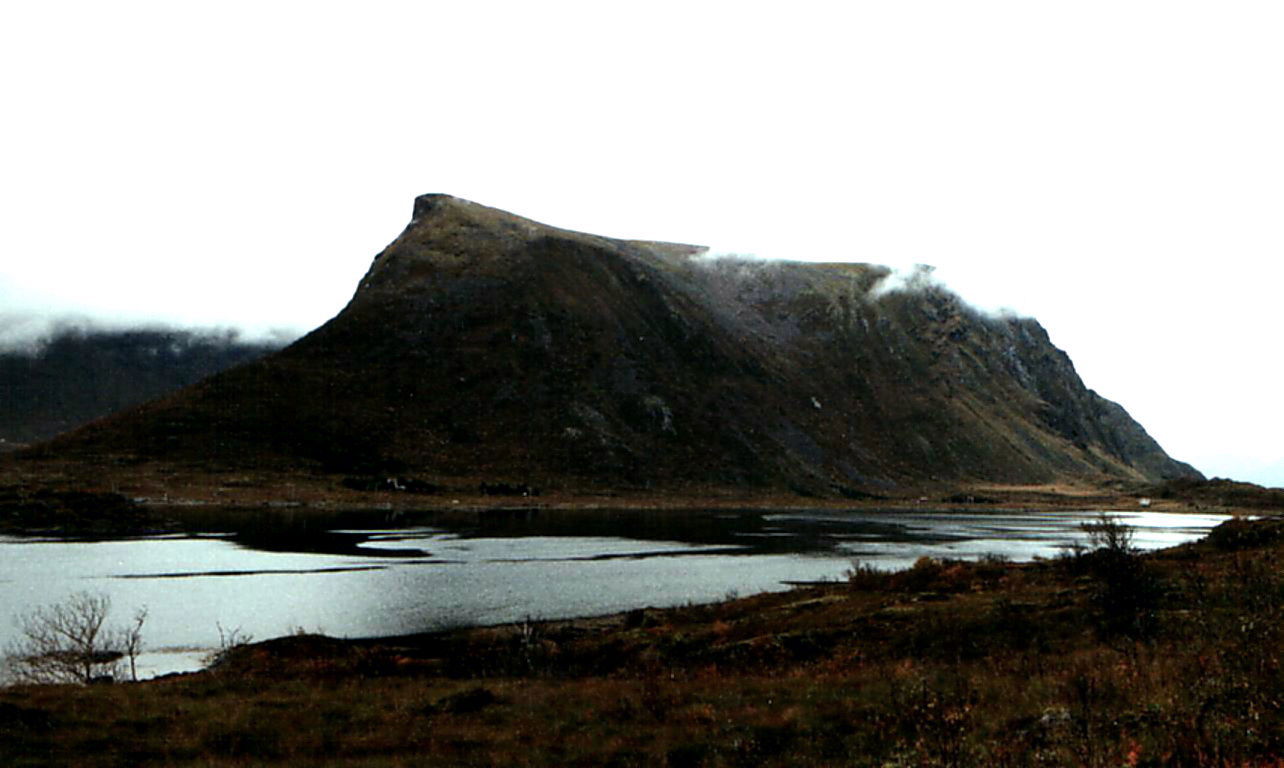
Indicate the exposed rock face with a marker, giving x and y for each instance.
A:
(484, 345)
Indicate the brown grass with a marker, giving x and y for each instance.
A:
(945, 664)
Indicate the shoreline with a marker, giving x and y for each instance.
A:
(650, 614)
(96, 514)
(942, 664)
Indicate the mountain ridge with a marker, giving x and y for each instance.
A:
(485, 346)
(78, 374)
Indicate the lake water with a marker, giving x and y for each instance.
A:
(344, 577)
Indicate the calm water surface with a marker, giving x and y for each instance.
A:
(323, 573)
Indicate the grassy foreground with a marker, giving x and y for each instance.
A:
(1097, 659)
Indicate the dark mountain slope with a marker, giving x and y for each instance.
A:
(80, 375)
(481, 345)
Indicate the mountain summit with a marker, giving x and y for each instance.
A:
(485, 347)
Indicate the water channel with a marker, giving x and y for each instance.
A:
(347, 577)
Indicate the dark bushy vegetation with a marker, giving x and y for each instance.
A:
(1243, 534)
(47, 510)
(1221, 492)
(1125, 589)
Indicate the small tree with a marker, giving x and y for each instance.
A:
(70, 642)
(132, 641)
(1127, 592)
(1109, 534)
(229, 641)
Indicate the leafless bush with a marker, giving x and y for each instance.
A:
(132, 641)
(1109, 534)
(1127, 592)
(70, 642)
(865, 576)
(229, 640)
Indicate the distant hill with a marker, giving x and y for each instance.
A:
(482, 346)
(80, 375)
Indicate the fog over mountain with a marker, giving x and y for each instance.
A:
(58, 375)
(31, 331)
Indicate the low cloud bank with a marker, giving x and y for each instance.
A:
(911, 278)
(31, 334)
(916, 279)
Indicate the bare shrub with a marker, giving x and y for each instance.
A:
(131, 640)
(1127, 592)
(70, 642)
(865, 576)
(1109, 534)
(229, 640)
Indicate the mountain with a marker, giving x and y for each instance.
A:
(82, 374)
(485, 347)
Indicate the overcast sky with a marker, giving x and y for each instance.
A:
(1115, 169)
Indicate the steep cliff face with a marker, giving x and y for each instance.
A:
(484, 345)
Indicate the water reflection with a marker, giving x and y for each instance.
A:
(1019, 535)
(351, 574)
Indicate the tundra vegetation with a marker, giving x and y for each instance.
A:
(1103, 657)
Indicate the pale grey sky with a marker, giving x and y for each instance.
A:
(1112, 168)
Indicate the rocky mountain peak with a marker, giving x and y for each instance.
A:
(482, 345)
(433, 202)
